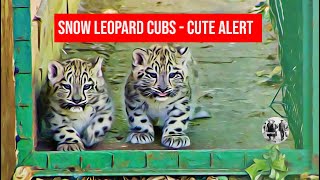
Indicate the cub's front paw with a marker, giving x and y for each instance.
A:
(77, 146)
(90, 138)
(175, 141)
(140, 138)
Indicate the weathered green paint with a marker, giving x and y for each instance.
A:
(22, 56)
(103, 160)
(24, 92)
(250, 156)
(129, 159)
(39, 159)
(194, 160)
(63, 160)
(21, 24)
(158, 159)
(295, 168)
(23, 124)
(315, 66)
(24, 147)
(298, 161)
(307, 73)
(229, 160)
(21, 3)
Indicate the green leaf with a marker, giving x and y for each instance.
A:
(258, 176)
(276, 146)
(261, 73)
(273, 161)
(282, 175)
(273, 156)
(268, 147)
(271, 78)
(252, 171)
(276, 71)
(274, 153)
(272, 174)
(266, 156)
(279, 164)
(262, 164)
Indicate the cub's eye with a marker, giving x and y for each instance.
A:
(172, 75)
(153, 75)
(87, 86)
(66, 86)
(175, 75)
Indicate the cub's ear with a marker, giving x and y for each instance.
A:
(139, 56)
(182, 50)
(97, 67)
(55, 71)
(185, 54)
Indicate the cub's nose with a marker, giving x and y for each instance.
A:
(162, 89)
(77, 101)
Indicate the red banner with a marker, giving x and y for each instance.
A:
(158, 28)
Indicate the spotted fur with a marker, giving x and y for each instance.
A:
(80, 110)
(159, 88)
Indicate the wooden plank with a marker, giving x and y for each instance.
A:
(22, 56)
(43, 47)
(73, 6)
(194, 160)
(129, 159)
(96, 160)
(36, 72)
(21, 24)
(158, 159)
(34, 6)
(8, 145)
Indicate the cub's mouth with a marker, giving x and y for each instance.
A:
(76, 108)
(161, 96)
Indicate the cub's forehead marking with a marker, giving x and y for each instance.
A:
(76, 70)
(162, 56)
(77, 65)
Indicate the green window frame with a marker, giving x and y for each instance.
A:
(164, 162)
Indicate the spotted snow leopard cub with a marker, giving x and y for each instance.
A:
(158, 88)
(80, 110)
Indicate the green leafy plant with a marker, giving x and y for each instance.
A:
(273, 163)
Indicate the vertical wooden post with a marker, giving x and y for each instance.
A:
(8, 145)
(315, 65)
